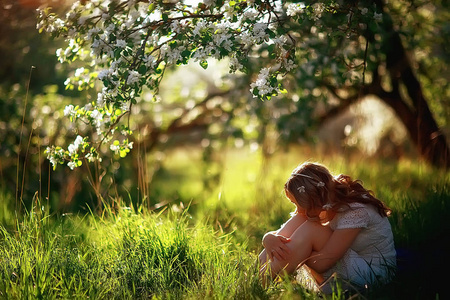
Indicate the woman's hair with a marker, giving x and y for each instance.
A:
(313, 187)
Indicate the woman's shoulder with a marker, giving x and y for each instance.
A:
(355, 215)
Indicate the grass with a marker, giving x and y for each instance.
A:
(207, 246)
(125, 256)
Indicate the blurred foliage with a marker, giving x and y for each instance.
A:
(22, 47)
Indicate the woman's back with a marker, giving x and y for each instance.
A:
(371, 258)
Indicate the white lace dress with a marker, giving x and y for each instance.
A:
(371, 259)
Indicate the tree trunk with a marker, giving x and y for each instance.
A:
(423, 130)
(414, 112)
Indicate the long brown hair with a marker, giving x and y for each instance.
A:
(313, 187)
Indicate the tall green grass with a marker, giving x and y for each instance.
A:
(205, 243)
(123, 256)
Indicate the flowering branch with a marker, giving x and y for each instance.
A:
(128, 45)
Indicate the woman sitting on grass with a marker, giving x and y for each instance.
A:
(338, 228)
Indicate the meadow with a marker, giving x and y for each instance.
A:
(203, 241)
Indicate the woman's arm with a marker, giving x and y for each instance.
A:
(274, 242)
(335, 248)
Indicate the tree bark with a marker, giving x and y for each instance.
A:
(414, 112)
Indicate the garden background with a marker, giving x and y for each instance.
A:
(183, 214)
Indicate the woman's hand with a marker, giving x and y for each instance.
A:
(275, 246)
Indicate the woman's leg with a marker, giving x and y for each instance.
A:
(310, 236)
(286, 230)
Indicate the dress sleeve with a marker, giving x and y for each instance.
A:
(353, 218)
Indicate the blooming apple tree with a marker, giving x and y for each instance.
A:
(126, 45)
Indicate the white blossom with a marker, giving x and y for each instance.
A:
(378, 17)
(97, 118)
(115, 148)
(262, 83)
(82, 20)
(246, 39)
(103, 74)
(200, 26)
(175, 26)
(78, 141)
(289, 65)
(209, 3)
(125, 106)
(69, 110)
(51, 156)
(92, 32)
(90, 157)
(100, 99)
(133, 77)
(250, 15)
(149, 61)
(79, 72)
(259, 31)
(121, 44)
(73, 148)
(318, 9)
(294, 9)
(235, 64)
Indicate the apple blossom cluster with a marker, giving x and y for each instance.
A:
(126, 45)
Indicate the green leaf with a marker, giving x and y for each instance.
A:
(123, 153)
(142, 69)
(185, 53)
(204, 64)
